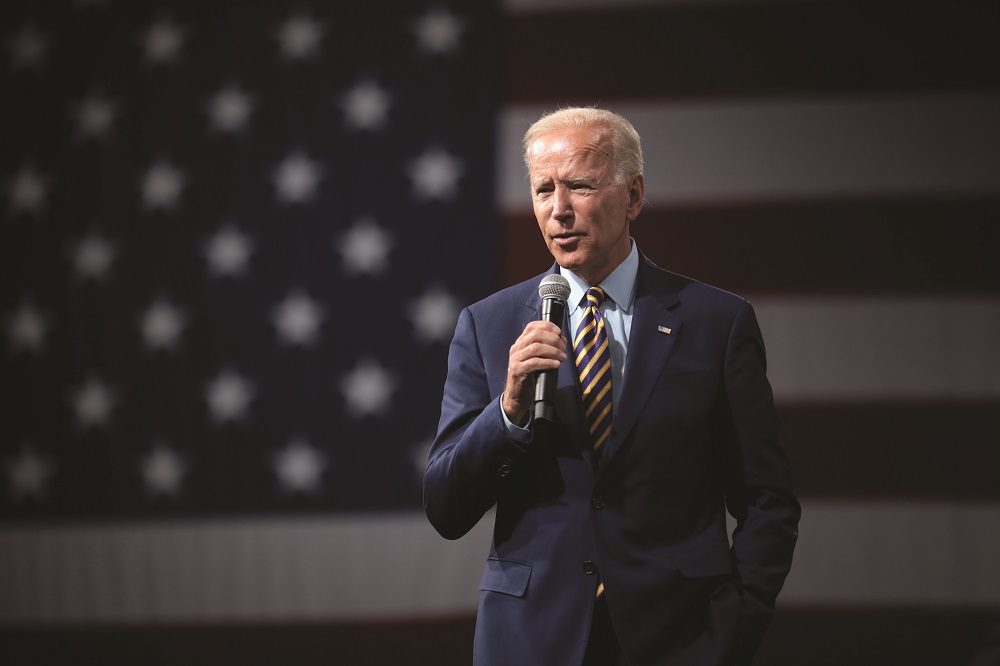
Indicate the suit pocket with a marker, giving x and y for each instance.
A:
(715, 559)
(506, 577)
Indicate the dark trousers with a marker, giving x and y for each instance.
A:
(602, 646)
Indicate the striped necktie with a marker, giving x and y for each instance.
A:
(593, 363)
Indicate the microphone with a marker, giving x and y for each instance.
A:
(554, 290)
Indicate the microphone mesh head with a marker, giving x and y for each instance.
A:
(554, 286)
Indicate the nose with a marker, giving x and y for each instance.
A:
(562, 209)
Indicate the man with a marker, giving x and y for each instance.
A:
(610, 543)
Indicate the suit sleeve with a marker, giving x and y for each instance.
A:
(758, 481)
(472, 456)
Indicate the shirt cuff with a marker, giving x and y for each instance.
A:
(516, 433)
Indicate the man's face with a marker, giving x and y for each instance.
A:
(583, 215)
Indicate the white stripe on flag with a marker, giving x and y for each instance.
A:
(793, 149)
(901, 553)
(396, 566)
(860, 349)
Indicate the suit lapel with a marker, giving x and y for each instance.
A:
(653, 333)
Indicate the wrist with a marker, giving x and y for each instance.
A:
(515, 413)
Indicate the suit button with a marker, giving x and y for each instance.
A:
(589, 568)
(503, 470)
(598, 502)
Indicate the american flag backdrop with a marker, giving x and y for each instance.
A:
(235, 237)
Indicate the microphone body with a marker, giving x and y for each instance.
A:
(554, 290)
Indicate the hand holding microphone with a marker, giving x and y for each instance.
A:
(535, 357)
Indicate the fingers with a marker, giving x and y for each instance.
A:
(538, 346)
(541, 346)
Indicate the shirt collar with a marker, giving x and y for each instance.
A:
(619, 286)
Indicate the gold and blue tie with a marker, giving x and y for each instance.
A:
(593, 363)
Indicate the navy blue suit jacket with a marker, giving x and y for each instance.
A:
(694, 434)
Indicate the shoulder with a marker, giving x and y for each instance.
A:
(508, 301)
(688, 291)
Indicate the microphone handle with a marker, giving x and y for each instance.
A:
(553, 310)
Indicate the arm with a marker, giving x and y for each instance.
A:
(757, 481)
(474, 454)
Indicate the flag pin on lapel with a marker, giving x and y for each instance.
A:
(663, 329)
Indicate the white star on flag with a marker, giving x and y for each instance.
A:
(28, 475)
(228, 396)
(94, 115)
(438, 31)
(227, 251)
(368, 389)
(299, 37)
(161, 186)
(299, 467)
(162, 41)
(296, 179)
(92, 257)
(92, 404)
(366, 106)
(229, 109)
(435, 175)
(27, 328)
(161, 325)
(28, 48)
(27, 191)
(297, 319)
(163, 470)
(365, 247)
(434, 315)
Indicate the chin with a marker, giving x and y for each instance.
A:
(566, 262)
(566, 258)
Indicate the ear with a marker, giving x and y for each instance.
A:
(636, 189)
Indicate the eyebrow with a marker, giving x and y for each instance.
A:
(570, 181)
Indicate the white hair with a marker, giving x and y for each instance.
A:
(616, 130)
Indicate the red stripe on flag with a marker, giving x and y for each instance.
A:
(858, 636)
(707, 50)
(922, 451)
(822, 248)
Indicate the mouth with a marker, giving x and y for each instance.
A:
(566, 238)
